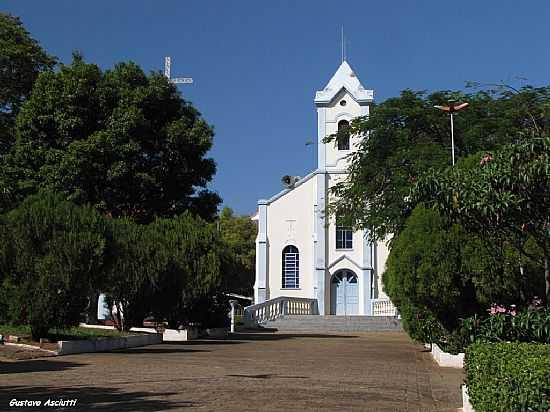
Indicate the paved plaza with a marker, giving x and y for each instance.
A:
(249, 372)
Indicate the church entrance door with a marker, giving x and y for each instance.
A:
(344, 293)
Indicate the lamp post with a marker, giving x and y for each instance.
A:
(451, 109)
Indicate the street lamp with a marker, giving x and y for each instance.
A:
(451, 109)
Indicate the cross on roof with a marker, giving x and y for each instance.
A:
(175, 80)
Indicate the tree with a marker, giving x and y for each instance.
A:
(21, 61)
(507, 196)
(162, 269)
(438, 273)
(5, 253)
(55, 251)
(123, 141)
(131, 272)
(192, 267)
(239, 239)
(406, 137)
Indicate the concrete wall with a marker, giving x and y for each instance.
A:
(446, 359)
(107, 344)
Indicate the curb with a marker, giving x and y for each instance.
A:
(68, 347)
(466, 405)
(445, 359)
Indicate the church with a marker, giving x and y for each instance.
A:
(301, 252)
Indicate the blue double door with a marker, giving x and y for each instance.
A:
(344, 293)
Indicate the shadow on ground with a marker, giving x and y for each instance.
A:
(235, 339)
(283, 336)
(267, 376)
(226, 341)
(36, 365)
(158, 349)
(93, 399)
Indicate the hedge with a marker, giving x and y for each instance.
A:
(508, 377)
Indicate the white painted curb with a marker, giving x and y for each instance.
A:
(180, 335)
(445, 359)
(466, 405)
(173, 335)
(106, 344)
(169, 335)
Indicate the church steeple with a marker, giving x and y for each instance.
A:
(346, 78)
(341, 100)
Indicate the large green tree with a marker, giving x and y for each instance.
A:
(239, 242)
(21, 61)
(506, 196)
(406, 136)
(121, 140)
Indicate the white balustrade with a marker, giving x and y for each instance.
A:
(278, 307)
(383, 307)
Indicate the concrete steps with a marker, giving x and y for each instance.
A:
(317, 324)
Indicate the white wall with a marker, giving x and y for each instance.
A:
(290, 221)
(334, 158)
(382, 252)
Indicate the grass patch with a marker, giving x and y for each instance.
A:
(73, 333)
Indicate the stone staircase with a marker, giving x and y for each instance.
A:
(323, 324)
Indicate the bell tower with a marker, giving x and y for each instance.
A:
(342, 99)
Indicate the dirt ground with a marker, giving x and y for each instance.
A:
(22, 352)
(248, 372)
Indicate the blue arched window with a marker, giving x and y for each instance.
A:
(291, 267)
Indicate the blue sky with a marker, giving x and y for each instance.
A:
(257, 64)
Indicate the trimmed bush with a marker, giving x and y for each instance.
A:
(163, 269)
(53, 253)
(508, 377)
(438, 274)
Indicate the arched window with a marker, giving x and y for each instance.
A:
(343, 135)
(291, 268)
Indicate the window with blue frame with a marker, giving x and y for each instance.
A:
(344, 235)
(291, 267)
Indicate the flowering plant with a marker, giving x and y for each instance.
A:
(507, 324)
(511, 310)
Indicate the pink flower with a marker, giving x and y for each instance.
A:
(487, 157)
(502, 309)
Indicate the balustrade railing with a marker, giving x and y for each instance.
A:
(278, 307)
(383, 307)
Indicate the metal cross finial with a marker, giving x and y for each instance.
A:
(176, 80)
(343, 45)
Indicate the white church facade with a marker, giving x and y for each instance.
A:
(301, 252)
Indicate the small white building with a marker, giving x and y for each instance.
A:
(300, 252)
